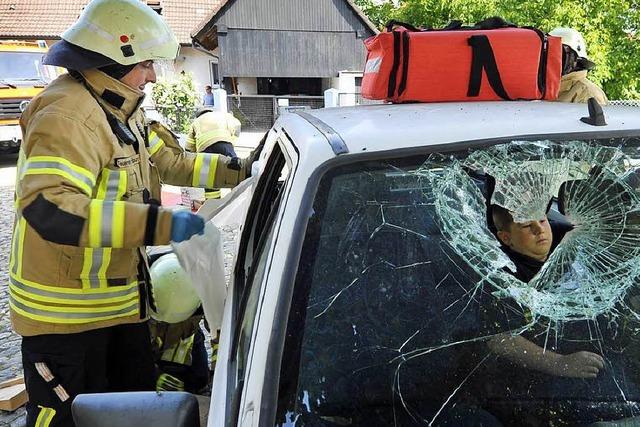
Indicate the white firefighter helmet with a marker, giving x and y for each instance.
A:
(175, 298)
(126, 31)
(573, 39)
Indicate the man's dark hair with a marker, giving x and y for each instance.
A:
(502, 218)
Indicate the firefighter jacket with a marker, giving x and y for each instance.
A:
(575, 87)
(89, 174)
(212, 127)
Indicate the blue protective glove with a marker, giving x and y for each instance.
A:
(184, 225)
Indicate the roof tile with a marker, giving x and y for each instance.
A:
(47, 19)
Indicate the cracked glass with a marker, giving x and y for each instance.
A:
(492, 286)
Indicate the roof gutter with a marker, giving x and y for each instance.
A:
(195, 44)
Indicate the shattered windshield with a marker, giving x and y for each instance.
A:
(494, 286)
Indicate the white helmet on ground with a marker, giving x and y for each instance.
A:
(174, 295)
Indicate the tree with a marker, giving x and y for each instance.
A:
(176, 99)
(610, 28)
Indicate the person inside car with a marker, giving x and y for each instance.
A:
(528, 245)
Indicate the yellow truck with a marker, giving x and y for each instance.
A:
(22, 76)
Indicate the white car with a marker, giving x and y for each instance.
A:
(369, 283)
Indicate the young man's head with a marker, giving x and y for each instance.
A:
(207, 89)
(532, 239)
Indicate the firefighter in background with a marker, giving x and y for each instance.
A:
(213, 132)
(177, 339)
(574, 85)
(86, 202)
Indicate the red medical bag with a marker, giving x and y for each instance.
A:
(481, 63)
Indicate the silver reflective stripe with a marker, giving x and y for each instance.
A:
(204, 172)
(84, 296)
(66, 315)
(60, 166)
(96, 263)
(112, 185)
(107, 224)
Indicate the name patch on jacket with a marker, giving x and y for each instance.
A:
(124, 162)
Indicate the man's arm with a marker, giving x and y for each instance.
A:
(582, 364)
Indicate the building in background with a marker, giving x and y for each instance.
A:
(285, 53)
(47, 19)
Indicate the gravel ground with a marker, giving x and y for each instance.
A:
(10, 357)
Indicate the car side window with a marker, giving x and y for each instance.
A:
(252, 264)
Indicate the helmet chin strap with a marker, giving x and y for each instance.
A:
(117, 71)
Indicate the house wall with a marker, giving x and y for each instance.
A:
(198, 64)
(247, 85)
(293, 15)
(269, 53)
(290, 38)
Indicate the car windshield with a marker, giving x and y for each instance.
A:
(493, 286)
(18, 66)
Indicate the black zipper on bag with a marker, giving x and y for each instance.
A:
(405, 63)
(396, 64)
(542, 66)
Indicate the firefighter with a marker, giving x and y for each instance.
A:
(213, 132)
(177, 339)
(87, 193)
(574, 85)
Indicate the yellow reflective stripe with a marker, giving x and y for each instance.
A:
(113, 185)
(16, 246)
(106, 260)
(215, 194)
(48, 165)
(122, 185)
(72, 296)
(95, 223)
(67, 317)
(22, 224)
(106, 224)
(73, 311)
(214, 136)
(155, 143)
(45, 416)
(117, 233)
(204, 171)
(50, 171)
(94, 267)
(78, 169)
(87, 264)
(197, 167)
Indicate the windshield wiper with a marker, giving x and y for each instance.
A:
(7, 84)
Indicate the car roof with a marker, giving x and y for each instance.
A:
(394, 126)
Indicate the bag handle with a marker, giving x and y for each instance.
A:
(393, 23)
(484, 59)
(493, 23)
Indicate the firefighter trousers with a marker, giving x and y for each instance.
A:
(57, 367)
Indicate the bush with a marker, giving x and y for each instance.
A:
(176, 99)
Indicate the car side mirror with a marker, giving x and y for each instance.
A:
(166, 409)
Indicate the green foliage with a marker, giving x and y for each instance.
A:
(176, 100)
(610, 28)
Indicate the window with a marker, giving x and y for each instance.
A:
(215, 76)
(251, 266)
(406, 305)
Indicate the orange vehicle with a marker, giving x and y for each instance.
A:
(22, 76)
